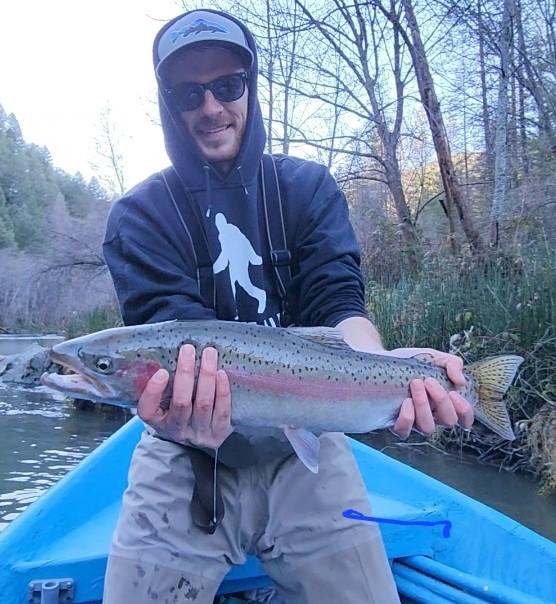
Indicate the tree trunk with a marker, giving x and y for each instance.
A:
(430, 102)
(501, 138)
(489, 152)
(536, 87)
(366, 69)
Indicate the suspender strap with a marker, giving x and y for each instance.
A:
(280, 255)
(197, 236)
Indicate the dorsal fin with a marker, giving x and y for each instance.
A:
(328, 336)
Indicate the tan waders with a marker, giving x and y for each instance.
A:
(279, 511)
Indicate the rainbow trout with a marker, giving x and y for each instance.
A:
(304, 381)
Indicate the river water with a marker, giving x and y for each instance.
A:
(42, 436)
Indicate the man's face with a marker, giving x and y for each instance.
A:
(216, 127)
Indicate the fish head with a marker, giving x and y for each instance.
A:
(112, 366)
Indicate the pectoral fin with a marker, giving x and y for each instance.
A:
(306, 446)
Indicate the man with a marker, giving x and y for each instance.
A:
(168, 547)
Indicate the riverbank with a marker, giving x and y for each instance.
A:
(477, 311)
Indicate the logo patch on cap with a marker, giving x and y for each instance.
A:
(198, 26)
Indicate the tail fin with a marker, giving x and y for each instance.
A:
(494, 376)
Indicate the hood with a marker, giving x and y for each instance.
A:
(181, 149)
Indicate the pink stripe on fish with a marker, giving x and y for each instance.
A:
(311, 387)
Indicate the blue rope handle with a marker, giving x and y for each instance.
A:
(355, 515)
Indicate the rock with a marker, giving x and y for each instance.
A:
(27, 367)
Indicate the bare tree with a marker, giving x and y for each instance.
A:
(354, 33)
(110, 166)
(501, 139)
(427, 91)
(487, 129)
(537, 58)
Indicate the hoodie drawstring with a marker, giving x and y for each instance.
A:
(242, 181)
(206, 169)
(209, 192)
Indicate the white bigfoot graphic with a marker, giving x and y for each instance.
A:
(237, 254)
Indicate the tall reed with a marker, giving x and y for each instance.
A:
(503, 307)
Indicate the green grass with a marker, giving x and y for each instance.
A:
(501, 308)
(507, 307)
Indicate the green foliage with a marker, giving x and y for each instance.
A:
(77, 194)
(507, 306)
(29, 185)
(512, 302)
(94, 320)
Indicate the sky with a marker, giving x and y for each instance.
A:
(64, 61)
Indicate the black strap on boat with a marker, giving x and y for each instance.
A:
(280, 255)
(196, 236)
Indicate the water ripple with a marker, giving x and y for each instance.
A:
(43, 437)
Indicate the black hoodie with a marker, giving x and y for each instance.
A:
(152, 262)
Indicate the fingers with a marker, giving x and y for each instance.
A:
(148, 407)
(454, 369)
(184, 381)
(201, 417)
(222, 414)
(441, 403)
(203, 406)
(463, 410)
(429, 404)
(424, 419)
(406, 419)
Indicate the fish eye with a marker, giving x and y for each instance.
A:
(104, 364)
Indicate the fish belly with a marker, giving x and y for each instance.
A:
(255, 409)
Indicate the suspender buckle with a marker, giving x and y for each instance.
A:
(280, 257)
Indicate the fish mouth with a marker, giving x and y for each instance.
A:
(80, 384)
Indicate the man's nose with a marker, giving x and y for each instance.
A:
(210, 104)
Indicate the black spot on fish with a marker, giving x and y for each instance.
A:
(140, 571)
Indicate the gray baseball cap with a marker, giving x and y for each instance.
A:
(201, 26)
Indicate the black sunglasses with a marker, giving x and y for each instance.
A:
(191, 95)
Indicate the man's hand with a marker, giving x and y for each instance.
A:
(430, 403)
(201, 416)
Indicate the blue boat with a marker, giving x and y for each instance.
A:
(444, 546)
